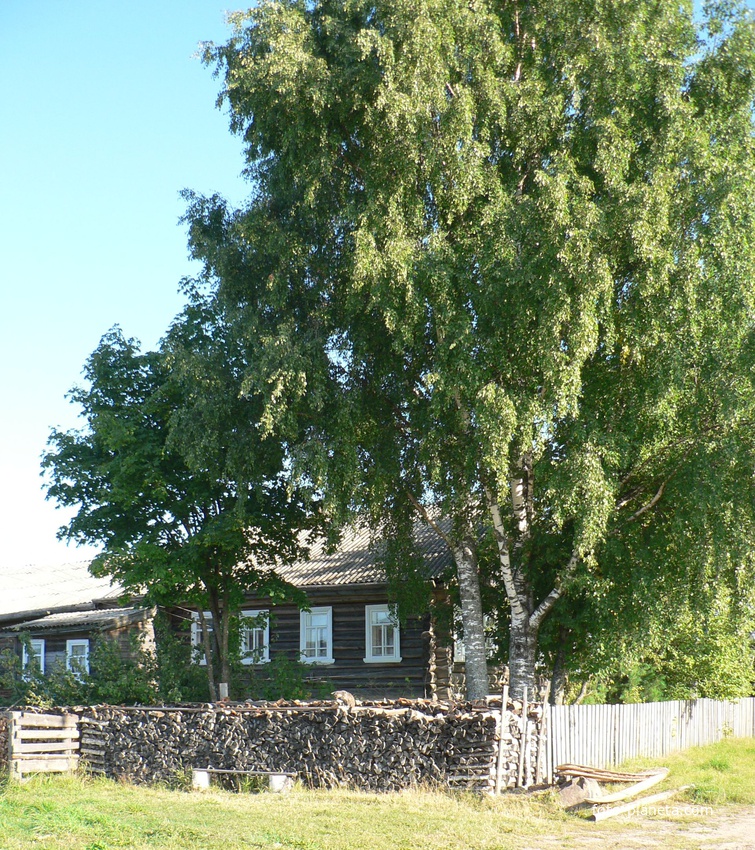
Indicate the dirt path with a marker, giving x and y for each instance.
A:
(711, 828)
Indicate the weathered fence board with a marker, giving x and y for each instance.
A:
(42, 743)
(607, 735)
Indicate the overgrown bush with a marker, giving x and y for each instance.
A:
(112, 678)
(284, 678)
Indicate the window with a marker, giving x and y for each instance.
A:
(316, 636)
(77, 657)
(196, 635)
(33, 653)
(255, 637)
(381, 633)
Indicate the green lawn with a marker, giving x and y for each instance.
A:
(94, 814)
(720, 773)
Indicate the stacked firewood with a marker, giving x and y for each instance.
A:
(383, 746)
(4, 742)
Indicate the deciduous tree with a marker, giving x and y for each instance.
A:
(501, 255)
(170, 477)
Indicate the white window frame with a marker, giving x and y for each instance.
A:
(305, 618)
(38, 652)
(246, 656)
(70, 644)
(196, 640)
(370, 657)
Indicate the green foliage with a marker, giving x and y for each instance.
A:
(284, 678)
(491, 243)
(119, 679)
(180, 678)
(170, 475)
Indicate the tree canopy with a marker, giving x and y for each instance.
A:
(170, 477)
(499, 257)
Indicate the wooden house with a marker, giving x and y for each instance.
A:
(52, 615)
(351, 637)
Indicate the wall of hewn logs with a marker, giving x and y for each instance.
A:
(377, 746)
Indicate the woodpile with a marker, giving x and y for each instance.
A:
(4, 742)
(379, 746)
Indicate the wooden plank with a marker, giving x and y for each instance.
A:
(43, 747)
(600, 775)
(635, 804)
(653, 779)
(501, 729)
(522, 738)
(28, 719)
(61, 764)
(542, 736)
(46, 734)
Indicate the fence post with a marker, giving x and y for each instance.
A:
(499, 763)
(522, 739)
(14, 765)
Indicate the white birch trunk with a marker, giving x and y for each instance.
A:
(522, 656)
(476, 664)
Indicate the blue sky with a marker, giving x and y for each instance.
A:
(106, 114)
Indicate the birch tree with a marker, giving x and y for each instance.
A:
(500, 255)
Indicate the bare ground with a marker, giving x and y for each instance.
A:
(679, 827)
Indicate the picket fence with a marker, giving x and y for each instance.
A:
(607, 735)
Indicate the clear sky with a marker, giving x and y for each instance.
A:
(105, 115)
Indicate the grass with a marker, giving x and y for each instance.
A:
(722, 773)
(95, 814)
(79, 813)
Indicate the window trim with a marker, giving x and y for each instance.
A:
(196, 643)
(39, 643)
(303, 617)
(69, 646)
(246, 658)
(370, 657)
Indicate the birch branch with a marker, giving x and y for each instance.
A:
(652, 503)
(539, 614)
(422, 510)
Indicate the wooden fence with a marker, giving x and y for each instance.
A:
(607, 735)
(42, 743)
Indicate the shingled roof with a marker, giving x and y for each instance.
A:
(357, 561)
(71, 619)
(33, 591)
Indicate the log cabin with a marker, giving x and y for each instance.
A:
(351, 637)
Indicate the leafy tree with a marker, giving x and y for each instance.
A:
(510, 252)
(501, 256)
(170, 477)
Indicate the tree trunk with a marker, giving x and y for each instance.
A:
(207, 646)
(558, 679)
(476, 664)
(522, 653)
